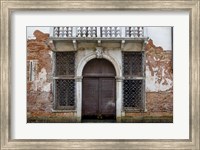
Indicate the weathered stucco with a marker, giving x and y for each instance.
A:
(39, 91)
(159, 69)
(38, 50)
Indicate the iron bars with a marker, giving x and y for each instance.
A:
(64, 82)
(133, 83)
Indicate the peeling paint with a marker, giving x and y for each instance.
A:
(51, 54)
(41, 83)
(159, 75)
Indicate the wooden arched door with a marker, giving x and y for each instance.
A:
(98, 101)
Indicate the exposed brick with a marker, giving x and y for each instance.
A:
(40, 36)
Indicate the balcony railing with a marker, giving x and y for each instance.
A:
(98, 32)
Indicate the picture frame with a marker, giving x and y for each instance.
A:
(8, 7)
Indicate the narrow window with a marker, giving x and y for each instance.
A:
(133, 83)
(32, 70)
(64, 82)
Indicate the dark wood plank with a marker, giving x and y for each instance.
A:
(107, 100)
(90, 96)
(99, 89)
(98, 68)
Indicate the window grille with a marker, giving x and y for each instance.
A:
(65, 62)
(133, 64)
(65, 93)
(133, 94)
(64, 82)
(133, 83)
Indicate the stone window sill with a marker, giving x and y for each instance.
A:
(62, 111)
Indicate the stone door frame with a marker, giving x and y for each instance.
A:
(79, 77)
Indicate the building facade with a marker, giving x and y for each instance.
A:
(98, 73)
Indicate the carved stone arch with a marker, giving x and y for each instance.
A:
(87, 58)
(79, 71)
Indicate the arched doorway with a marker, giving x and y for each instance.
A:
(99, 90)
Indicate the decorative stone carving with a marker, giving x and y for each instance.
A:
(99, 52)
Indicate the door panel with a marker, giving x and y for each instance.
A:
(107, 97)
(98, 89)
(90, 96)
(99, 68)
(98, 97)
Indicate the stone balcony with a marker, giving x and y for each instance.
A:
(98, 32)
(67, 38)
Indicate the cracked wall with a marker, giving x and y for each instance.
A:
(159, 69)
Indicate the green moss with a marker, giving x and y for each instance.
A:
(141, 119)
(148, 119)
(54, 119)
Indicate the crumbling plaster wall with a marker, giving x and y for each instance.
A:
(39, 91)
(159, 69)
(159, 78)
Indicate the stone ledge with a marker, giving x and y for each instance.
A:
(62, 111)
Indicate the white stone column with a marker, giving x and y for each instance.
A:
(123, 31)
(79, 98)
(118, 98)
(51, 31)
(98, 31)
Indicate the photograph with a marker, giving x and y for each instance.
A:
(99, 74)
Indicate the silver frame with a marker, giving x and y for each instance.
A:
(7, 7)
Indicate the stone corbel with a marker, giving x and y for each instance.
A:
(122, 44)
(145, 43)
(99, 42)
(50, 44)
(75, 44)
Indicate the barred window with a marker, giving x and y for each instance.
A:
(133, 83)
(133, 64)
(133, 94)
(64, 82)
(65, 93)
(65, 62)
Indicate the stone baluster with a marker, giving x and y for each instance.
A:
(132, 32)
(94, 32)
(79, 32)
(84, 31)
(141, 33)
(69, 31)
(55, 32)
(103, 32)
(127, 30)
(61, 32)
(89, 32)
(118, 32)
(65, 32)
(136, 31)
(113, 31)
(108, 33)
